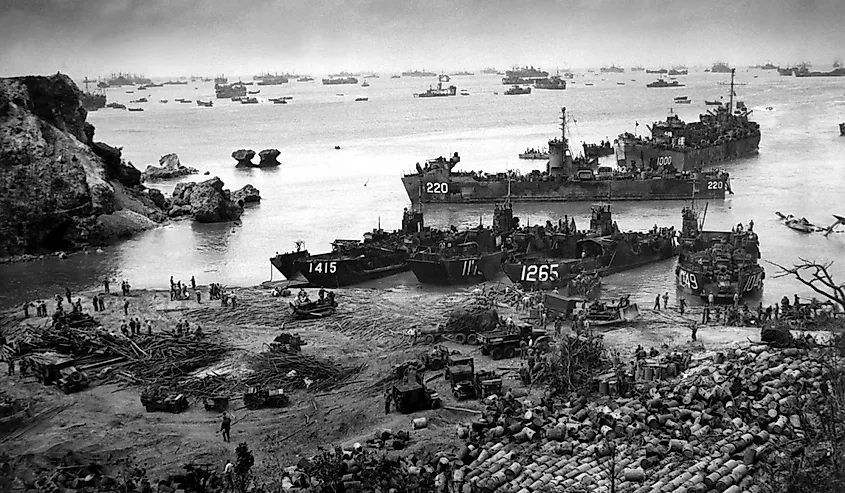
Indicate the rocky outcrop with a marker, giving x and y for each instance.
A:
(210, 203)
(246, 195)
(206, 202)
(268, 158)
(244, 158)
(57, 184)
(170, 168)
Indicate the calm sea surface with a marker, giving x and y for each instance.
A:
(319, 193)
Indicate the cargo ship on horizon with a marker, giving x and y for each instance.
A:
(720, 135)
(566, 179)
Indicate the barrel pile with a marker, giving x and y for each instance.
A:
(707, 430)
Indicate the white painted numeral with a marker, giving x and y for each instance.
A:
(434, 187)
(322, 267)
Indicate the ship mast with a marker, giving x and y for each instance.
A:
(731, 101)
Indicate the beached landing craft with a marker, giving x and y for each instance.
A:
(465, 257)
(551, 257)
(721, 263)
(566, 178)
(380, 254)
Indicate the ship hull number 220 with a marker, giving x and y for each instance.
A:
(435, 187)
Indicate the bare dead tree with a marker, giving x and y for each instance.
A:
(817, 277)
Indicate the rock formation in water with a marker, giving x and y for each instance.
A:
(244, 158)
(207, 202)
(268, 158)
(59, 189)
(246, 195)
(170, 168)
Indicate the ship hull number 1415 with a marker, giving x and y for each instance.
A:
(435, 187)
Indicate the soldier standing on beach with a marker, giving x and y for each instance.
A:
(126, 307)
(193, 283)
(106, 284)
(67, 293)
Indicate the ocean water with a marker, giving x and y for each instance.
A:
(319, 193)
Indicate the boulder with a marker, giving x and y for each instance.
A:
(115, 167)
(246, 195)
(210, 203)
(182, 194)
(158, 198)
(244, 158)
(170, 168)
(268, 158)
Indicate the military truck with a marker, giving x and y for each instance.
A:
(508, 343)
(409, 393)
(256, 398)
(54, 368)
(460, 373)
(156, 399)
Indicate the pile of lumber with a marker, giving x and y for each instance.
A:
(295, 371)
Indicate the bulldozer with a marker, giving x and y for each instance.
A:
(255, 398)
(409, 393)
(156, 399)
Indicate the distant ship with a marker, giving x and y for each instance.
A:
(220, 80)
(657, 71)
(440, 91)
(305, 79)
(331, 81)
(116, 106)
(663, 83)
(516, 90)
(638, 68)
(205, 104)
(678, 72)
(553, 82)
(566, 179)
(613, 69)
(418, 73)
(721, 263)
(463, 72)
(719, 136)
(121, 79)
(529, 73)
(837, 72)
(344, 74)
(534, 154)
(720, 68)
(769, 66)
(270, 79)
(490, 71)
(230, 91)
(510, 81)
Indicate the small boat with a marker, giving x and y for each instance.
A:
(516, 90)
(712, 103)
(365, 84)
(362, 99)
(136, 109)
(313, 310)
(278, 100)
(620, 83)
(116, 106)
(588, 83)
(249, 101)
(141, 100)
(801, 225)
(257, 91)
(464, 92)
(130, 92)
(682, 100)
(162, 101)
(205, 104)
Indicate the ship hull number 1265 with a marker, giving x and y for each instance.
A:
(539, 273)
(435, 187)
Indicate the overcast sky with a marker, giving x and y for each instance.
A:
(183, 37)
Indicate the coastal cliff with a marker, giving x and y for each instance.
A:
(59, 189)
